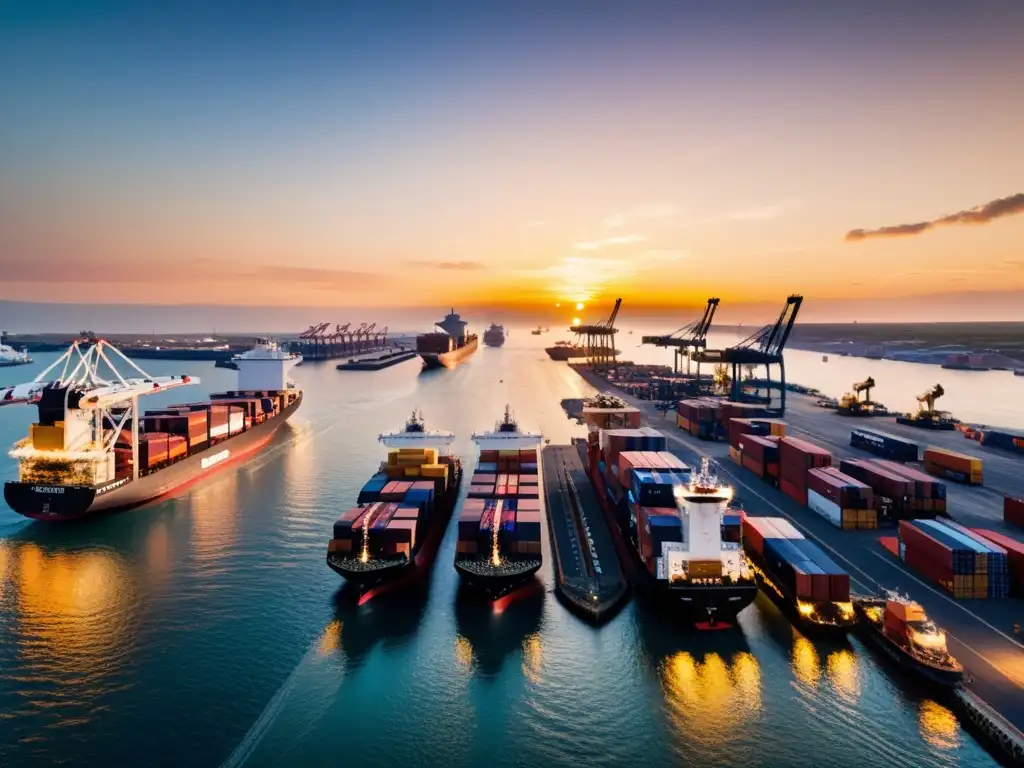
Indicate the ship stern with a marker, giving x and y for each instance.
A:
(52, 503)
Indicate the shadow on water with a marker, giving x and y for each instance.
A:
(490, 632)
(389, 620)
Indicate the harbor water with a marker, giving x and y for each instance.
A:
(207, 630)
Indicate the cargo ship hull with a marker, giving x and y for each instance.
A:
(65, 503)
(941, 677)
(395, 571)
(494, 583)
(494, 339)
(450, 359)
(573, 353)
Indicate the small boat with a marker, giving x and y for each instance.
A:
(900, 628)
(824, 358)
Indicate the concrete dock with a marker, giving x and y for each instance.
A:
(981, 633)
(589, 578)
(379, 361)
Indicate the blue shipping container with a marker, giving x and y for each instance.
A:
(883, 444)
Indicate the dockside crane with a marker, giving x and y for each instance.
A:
(851, 403)
(927, 417)
(599, 339)
(685, 340)
(763, 347)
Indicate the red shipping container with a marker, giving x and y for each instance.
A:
(839, 587)
(754, 465)
(793, 491)
(804, 584)
(1013, 511)
(925, 486)
(528, 505)
(840, 489)
(928, 548)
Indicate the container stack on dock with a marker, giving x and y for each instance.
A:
(503, 492)
(963, 563)
(843, 501)
(1014, 557)
(901, 492)
(883, 444)
(993, 438)
(612, 442)
(953, 466)
(709, 418)
(796, 457)
(760, 455)
(1013, 511)
(394, 506)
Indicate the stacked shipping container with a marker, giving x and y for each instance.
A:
(953, 466)
(1014, 557)
(843, 501)
(504, 494)
(883, 444)
(796, 457)
(1013, 511)
(794, 563)
(964, 564)
(708, 418)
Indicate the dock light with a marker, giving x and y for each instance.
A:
(806, 609)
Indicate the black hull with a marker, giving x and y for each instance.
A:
(450, 359)
(66, 503)
(772, 587)
(494, 583)
(381, 571)
(937, 676)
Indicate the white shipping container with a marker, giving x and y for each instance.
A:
(236, 421)
(827, 509)
(704, 529)
(220, 431)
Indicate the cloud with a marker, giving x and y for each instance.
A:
(666, 254)
(982, 214)
(609, 242)
(642, 213)
(457, 266)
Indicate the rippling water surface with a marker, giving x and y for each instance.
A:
(206, 630)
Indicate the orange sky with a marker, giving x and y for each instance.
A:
(500, 166)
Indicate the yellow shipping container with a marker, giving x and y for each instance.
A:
(435, 470)
(392, 458)
(682, 422)
(736, 455)
(48, 438)
(778, 429)
(340, 545)
(394, 473)
(413, 471)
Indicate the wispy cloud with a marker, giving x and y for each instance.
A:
(982, 214)
(762, 212)
(458, 266)
(642, 213)
(609, 242)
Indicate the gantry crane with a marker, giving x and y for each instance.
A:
(690, 337)
(764, 347)
(599, 339)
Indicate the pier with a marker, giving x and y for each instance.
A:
(589, 579)
(377, 362)
(980, 633)
(321, 342)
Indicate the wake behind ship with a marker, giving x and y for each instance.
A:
(448, 347)
(499, 544)
(678, 528)
(401, 512)
(91, 451)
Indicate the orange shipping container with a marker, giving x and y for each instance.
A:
(952, 465)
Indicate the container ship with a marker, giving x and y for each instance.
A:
(10, 357)
(449, 346)
(901, 630)
(566, 350)
(494, 336)
(676, 528)
(797, 575)
(91, 452)
(499, 544)
(401, 513)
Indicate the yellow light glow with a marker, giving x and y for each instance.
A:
(579, 305)
(558, 304)
(806, 609)
(938, 725)
(575, 321)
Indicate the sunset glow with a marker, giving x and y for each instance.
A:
(462, 160)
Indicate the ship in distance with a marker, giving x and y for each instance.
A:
(566, 350)
(495, 335)
(448, 346)
(901, 630)
(393, 532)
(92, 450)
(499, 537)
(9, 356)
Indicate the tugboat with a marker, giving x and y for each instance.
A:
(495, 335)
(9, 356)
(536, 331)
(900, 628)
(401, 513)
(499, 542)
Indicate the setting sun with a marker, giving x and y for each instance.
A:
(575, 321)
(579, 305)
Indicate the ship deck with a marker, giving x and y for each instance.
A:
(589, 576)
(980, 633)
